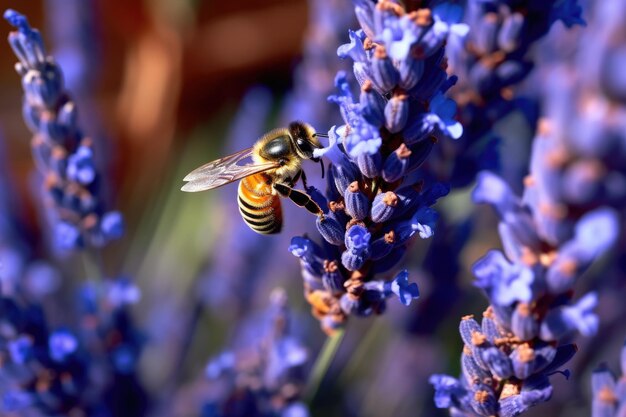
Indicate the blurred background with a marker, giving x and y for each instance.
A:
(164, 86)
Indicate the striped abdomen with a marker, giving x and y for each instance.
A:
(260, 208)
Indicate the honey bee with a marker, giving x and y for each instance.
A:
(276, 167)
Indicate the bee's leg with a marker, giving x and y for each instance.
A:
(300, 198)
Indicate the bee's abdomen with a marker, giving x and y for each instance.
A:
(259, 208)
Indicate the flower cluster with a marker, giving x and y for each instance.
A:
(490, 61)
(43, 372)
(550, 238)
(578, 157)
(47, 372)
(531, 316)
(266, 378)
(64, 156)
(374, 205)
(608, 394)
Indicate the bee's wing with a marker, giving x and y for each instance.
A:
(223, 171)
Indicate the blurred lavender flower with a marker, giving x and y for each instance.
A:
(524, 333)
(375, 208)
(550, 238)
(54, 373)
(609, 394)
(43, 373)
(492, 59)
(266, 378)
(63, 155)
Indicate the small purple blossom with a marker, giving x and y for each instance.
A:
(62, 344)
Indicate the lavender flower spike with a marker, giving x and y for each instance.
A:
(64, 156)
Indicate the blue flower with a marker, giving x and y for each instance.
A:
(441, 117)
(405, 291)
(123, 292)
(446, 389)
(112, 225)
(354, 49)
(80, 166)
(20, 349)
(569, 12)
(399, 35)
(61, 345)
(504, 282)
(563, 321)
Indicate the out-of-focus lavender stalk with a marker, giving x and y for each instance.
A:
(490, 62)
(262, 377)
(609, 394)
(373, 210)
(63, 155)
(550, 239)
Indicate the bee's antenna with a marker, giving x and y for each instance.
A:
(322, 164)
(321, 135)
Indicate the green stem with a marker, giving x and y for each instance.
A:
(322, 363)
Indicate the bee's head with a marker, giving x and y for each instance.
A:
(305, 140)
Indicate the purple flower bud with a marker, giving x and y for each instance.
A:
(349, 304)
(112, 225)
(604, 392)
(369, 164)
(372, 104)
(416, 130)
(357, 251)
(563, 321)
(43, 87)
(364, 11)
(470, 369)
(483, 400)
(470, 332)
(57, 161)
(27, 43)
(503, 281)
(523, 360)
(354, 49)
(332, 278)
(50, 129)
(384, 206)
(498, 362)
(384, 74)
(405, 291)
(411, 71)
(308, 252)
(509, 34)
(487, 35)
(524, 323)
(396, 164)
(20, 349)
(595, 232)
(61, 345)
(357, 203)
(344, 175)
(535, 390)
(67, 236)
(511, 72)
(80, 167)
(382, 246)
(419, 153)
(330, 230)
(447, 390)
(490, 328)
(363, 75)
(396, 112)
(68, 117)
